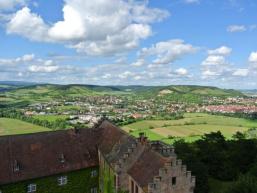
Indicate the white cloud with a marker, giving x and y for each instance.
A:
(215, 64)
(106, 76)
(28, 57)
(208, 73)
(71, 28)
(94, 28)
(11, 4)
(43, 69)
(14, 61)
(139, 62)
(253, 58)
(28, 63)
(167, 52)
(241, 72)
(181, 71)
(214, 60)
(236, 28)
(126, 75)
(28, 24)
(224, 51)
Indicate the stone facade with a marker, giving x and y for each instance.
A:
(147, 167)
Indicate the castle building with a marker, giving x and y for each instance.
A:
(103, 159)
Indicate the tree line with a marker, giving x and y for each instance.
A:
(55, 125)
(225, 160)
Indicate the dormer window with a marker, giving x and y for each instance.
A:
(32, 188)
(93, 190)
(62, 158)
(16, 166)
(62, 180)
(174, 181)
(93, 173)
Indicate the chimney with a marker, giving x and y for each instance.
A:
(142, 138)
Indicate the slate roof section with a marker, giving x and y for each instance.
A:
(45, 154)
(147, 167)
(115, 142)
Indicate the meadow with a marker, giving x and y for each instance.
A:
(14, 127)
(190, 128)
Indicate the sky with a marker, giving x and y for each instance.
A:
(130, 42)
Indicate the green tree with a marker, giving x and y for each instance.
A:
(244, 184)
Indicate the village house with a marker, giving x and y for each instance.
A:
(103, 159)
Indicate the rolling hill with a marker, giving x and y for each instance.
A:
(46, 92)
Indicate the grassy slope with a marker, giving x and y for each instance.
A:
(13, 126)
(191, 127)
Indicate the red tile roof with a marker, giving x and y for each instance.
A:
(41, 154)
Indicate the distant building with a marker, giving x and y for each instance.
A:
(103, 159)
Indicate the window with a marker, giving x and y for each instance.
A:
(62, 158)
(132, 186)
(93, 173)
(62, 180)
(32, 188)
(174, 180)
(136, 189)
(115, 181)
(93, 190)
(16, 166)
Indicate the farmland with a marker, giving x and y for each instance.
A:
(13, 127)
(191, 127)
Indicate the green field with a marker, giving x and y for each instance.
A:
(13, 127)
(191, 127)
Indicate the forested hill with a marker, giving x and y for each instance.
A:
(46, 92)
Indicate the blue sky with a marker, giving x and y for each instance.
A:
(128, 42)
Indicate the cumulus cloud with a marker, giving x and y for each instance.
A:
(15, 61)
(216, 64)
(28, 63)
(241, 72)
(94, 28)
(181, 71)
(139, 62)
(167, 52)
(253, 59)
(236, 28)
(28, 25)
(224, 51)
(6, 5)
(214, 60)
(126, 75)
(43, 69)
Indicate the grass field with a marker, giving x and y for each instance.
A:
(13, 127)
(191, 127)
